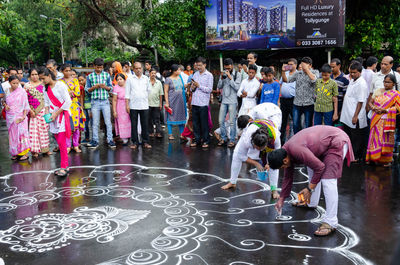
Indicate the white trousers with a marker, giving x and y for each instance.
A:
(330, 193)
(237, 165)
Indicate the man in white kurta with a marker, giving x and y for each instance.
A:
(245, 151)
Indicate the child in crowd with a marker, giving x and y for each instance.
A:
(17, 109)
(78, 117)
(326, 103)
(85, 102)
(121, 116)
(269, 87)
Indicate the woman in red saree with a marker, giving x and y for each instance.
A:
(385, 105)
(58, 102)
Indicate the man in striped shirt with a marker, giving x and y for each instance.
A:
(98, 84)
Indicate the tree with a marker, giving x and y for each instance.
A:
(176, 28)
(372, 30)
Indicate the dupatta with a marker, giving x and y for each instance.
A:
(54, 100)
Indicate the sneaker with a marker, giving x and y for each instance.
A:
(93, 144)
(111, 144)
(85, 141)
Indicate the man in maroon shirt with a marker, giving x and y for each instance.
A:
(322, 149)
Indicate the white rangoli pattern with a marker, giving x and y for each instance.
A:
(191, 219)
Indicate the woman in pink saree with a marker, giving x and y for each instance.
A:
(17, 109)
(121, 117)
(385, 105)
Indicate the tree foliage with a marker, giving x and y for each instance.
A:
(175, 28)
(373, 27)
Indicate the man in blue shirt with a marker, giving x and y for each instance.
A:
(340, 80)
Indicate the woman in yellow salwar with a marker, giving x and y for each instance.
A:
(77, 114)
(385, 105)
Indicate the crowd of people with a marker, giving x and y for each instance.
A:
(137, 101)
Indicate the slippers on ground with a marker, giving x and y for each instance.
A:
(171, 137)
(61, 172)
(193, 145)
(324, 230)
(387, 165)
(147, 146)
(302, 205)
(134, 146)
(221, 143)
(22, 158)
(204, 146)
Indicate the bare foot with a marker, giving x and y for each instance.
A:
(228, 186)
(275, 195)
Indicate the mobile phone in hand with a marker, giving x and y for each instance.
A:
(288, 67)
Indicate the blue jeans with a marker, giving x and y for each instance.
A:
(308, 112)
(232, 109)
(326, 115)
(103, 106)
(88, 123)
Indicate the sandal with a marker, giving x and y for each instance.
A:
(134, 146)
(158, 135)
(221, 143)
(68, 150)
(204, 146)
(193, 144)
(171, 137)
(56, 149)
(387, 164)
(231, 144)
(324, 226)
(22, 158)
(49, 153)
(302, 205)
(14, 158)
(35, 155)
(147, 146)
(76, 149)
(61, 172)
(151, 135)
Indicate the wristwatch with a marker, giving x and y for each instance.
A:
(310, 190)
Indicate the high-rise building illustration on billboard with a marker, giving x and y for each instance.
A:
(267, 24)
(278, 18)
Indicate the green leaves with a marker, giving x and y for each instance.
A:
(372, 28)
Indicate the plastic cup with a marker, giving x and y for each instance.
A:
(47, 117)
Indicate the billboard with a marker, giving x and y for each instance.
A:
(271, 24)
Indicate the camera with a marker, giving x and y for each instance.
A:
(224, 76)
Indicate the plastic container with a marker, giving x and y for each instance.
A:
(47, 117)
(262, 175)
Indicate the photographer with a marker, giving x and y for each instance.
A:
(229, 83)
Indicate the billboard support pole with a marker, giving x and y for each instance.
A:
(221, 66)
(329, 56)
